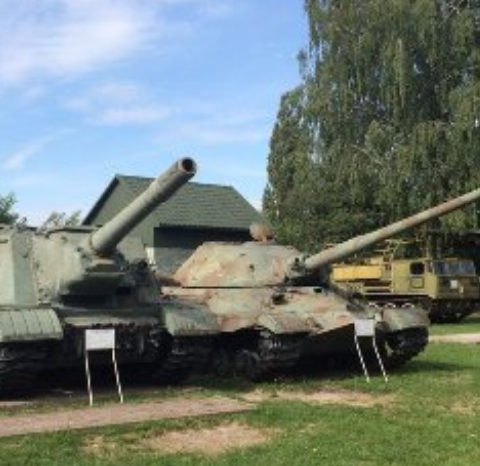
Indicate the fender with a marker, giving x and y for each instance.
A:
(189, 319)
(29, 325)
(285, 323)
(401, 318)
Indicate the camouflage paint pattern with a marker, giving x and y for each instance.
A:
(254, 285)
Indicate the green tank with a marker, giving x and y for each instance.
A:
(58, 283)
(272, 313)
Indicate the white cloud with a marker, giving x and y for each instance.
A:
(118, 104)
(206, 9)
(18, 159)
(216, 133)
(131, 115)
(211, 124)
(30, 180)
(213, 9)
(64, 38)
(238, 170)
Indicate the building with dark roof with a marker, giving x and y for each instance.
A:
(196, 213)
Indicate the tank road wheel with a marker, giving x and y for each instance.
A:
(19, 366)
(181, 357)
(399, 347)
(222, 364)
(248, 365)
(170, 373)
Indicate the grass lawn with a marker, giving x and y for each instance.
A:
(470, 324)
(431, 418)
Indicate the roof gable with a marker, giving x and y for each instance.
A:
(195, 205)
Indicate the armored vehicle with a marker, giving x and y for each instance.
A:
(272, 313)
(58, 283)
(447, 287)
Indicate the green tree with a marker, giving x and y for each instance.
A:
(393, 92)
(289, 197)
(62, 219)
(302, 200)
(7, 213)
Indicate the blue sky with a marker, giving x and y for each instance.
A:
(90, 88)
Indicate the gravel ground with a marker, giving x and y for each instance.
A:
(466, 338)
(119, 414)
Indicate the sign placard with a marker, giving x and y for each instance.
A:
(99, 339)
(365, 327)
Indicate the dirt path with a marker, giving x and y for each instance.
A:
(118, 414)
(466, 338)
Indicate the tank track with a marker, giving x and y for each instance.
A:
(400, 347)
(19, 366)
(270, 355)
(184, 356)
(441, 313)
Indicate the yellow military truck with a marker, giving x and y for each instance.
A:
(447, 287)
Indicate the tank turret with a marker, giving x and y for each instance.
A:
(273, 311)
(88, 262)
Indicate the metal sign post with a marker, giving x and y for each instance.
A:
(101, 340)
(366, 328)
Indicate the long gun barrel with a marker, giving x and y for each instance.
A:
(359, 243)
(105, 239)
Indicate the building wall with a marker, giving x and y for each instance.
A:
(173, 246)
(166, 247)
(115, 203)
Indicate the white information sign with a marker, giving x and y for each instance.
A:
(99, 339)
(365, 327)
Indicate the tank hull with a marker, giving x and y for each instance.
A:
(153, 339)
(264, 331)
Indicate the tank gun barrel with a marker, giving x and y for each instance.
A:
(105, 239)
(359, 243)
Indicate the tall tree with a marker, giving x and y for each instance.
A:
(393, 90)
(288, 197)
(302, 200)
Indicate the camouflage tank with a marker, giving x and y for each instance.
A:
(58, 283)
(272, 313)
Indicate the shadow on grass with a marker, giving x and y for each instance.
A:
(424, 366)
(348, 367)
(70, 385)
(472, 319)
(469, 324)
